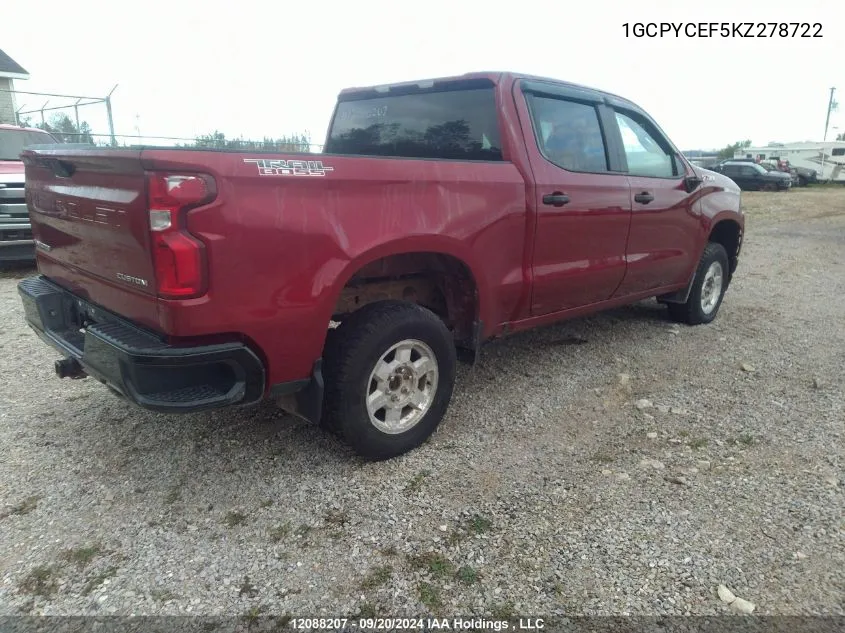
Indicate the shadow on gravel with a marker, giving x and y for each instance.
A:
(17, 270)
(235, 447)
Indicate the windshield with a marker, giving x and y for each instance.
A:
(13, 142)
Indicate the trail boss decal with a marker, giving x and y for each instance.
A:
(289, 167)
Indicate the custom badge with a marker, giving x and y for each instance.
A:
(267, 167)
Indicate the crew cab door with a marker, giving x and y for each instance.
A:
(583, 206)
(665, 234)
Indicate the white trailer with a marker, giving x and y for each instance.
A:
(828, 159)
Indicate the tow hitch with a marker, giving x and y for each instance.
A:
(69, 368)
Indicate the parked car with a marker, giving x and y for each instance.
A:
(443, 213)
(15, 232)
(782, 168)
(751, 176)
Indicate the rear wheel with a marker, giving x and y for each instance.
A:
(708, 288)
(390, 371)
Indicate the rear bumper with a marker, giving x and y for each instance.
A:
(138, 364)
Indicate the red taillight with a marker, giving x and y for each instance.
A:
(178, 256)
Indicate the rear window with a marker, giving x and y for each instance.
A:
(12, 142)
(452, 124)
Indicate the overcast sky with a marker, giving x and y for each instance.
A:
(275, 67)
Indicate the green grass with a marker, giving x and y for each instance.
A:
(433, 562)
(367, 610)
(390, 550)
(415, 485)
(280, 532)
(429, 595)
(745, 439)
(173, 495)
(377, 577)
(82, 556)
(503, 611)
(467, 575)
(40, 581)
(234, 518)
(97, 579)
(480, 524)
(699, 442)
(162, 595)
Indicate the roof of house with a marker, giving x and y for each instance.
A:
(10, 68)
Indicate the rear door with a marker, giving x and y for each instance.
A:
(91, 225)
(583, 206)
(664, 236)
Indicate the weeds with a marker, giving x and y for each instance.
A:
(98, 579)
(280, 532)
(377, 577)
(82, 556)
(429, 595)
(40, 581)
(433, 562)
(416, 483)
(234, 518)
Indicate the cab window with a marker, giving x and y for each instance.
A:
(568, 134)
(646, 156)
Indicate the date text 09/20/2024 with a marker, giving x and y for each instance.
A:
(723, 29)
(415, 624)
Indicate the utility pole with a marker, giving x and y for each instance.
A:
(830, 106)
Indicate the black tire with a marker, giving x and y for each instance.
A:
(351, 355)
(802, 182)
(692, 311)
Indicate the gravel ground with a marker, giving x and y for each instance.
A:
(613, 464)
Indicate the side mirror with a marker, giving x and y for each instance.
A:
(691, 183)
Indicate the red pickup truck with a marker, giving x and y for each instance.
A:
(345, 285)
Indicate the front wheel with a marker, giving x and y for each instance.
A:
(389, 375)
(708, 288)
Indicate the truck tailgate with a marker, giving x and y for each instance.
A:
(90, 220)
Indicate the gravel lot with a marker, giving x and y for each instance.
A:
(551, 487)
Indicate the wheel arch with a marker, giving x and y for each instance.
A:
(408, 257)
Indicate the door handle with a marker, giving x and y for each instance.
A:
(556, 199)
(643, 198)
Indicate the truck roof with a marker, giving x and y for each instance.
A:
(494, 76)
(4, 126)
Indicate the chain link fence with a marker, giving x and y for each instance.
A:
(74, 119)
(296, 143)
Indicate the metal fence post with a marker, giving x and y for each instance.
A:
(111, 121)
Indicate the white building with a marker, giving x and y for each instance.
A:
(9, 71)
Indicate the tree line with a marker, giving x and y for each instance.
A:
(66, 130)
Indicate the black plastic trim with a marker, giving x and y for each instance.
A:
(571, 93)
(137, 363)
